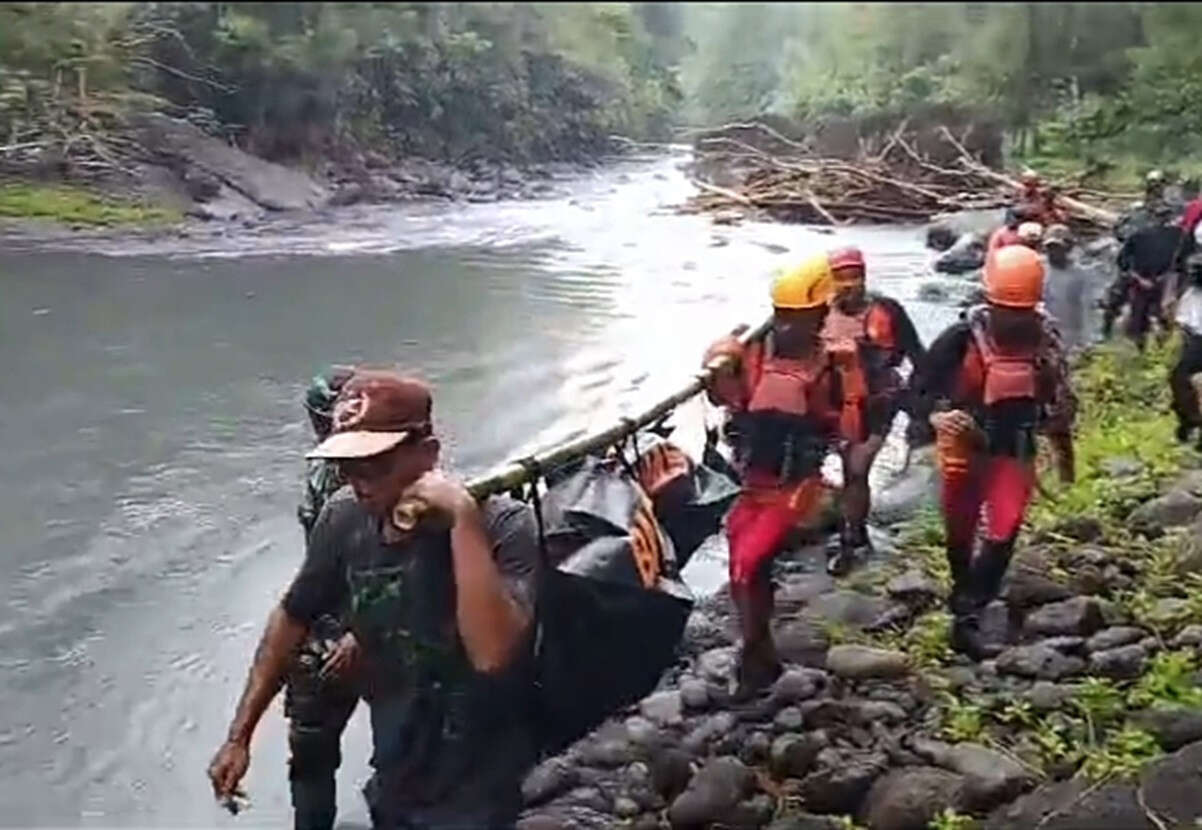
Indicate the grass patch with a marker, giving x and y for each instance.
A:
(77, 206)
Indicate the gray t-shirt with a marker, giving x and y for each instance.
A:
(449, 743)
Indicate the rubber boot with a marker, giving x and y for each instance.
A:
(853, 547)
(991, 568)
(758, 666)
(965, 605)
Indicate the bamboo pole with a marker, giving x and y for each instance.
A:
(516, 473)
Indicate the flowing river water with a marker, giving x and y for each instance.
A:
(153, 439)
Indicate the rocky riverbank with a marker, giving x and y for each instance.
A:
(170, 169)
(1090, 717)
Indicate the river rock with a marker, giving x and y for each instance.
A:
(1065, 644)
(845, 607)
(1076, 804)
(932, 292)
(862, 662)
(671, 771)
(841, 786)
(606, 751)
(796, 685)
(801, 641)
(793, 755)
(566, 817)
(908, 799)
(966, 254)
(1038, 662)
(941, 236)
(717, 664)
(703, 633)
(991, 777)
(643, 733)
(715, 726)
(1030, 581)
(1077, 615)
(1121, 466)
(1174, 726)
(1170, 787)
(756, 749)
(880, 711)
(548, 780)
(626, 807)
(1189, 554)
(807, 821)
(693, 694)
(1188, 637)
(798, 589)
(788, 719)
(829, 712)
(663, 708)
(1046, 697)
(1170, 609)
(1122, 663)
(913, 588)
(1114, 637)
(1176, 508)
(714, 791)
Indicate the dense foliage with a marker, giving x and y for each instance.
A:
(445, 80)
(1063, 77)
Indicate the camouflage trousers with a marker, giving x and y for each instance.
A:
(317, 710)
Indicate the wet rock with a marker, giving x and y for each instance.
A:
(1073, 646)
(1174, 727)
(715, 790)
(793, 755)
(693, 694)
(663, 708)
(788, 719)
(1081, 528)
(1030, 581)
(1038, 662)
(966, 254)
(1076, 804)
(1116, 636)
(957, 677)
(703, 633)
(849, 608)
(1077, 615)
(828, 712)
(607, 753)
(1122, 663)
(1046, 697)
(883, 711)
(941, 237)
(566, 817)
(801, 641)
(796, 685)
(642, 732)
(1189, 555)
(671, 771)
(807, 821)
(839, 788)
(757, 748)
(713, 727)
(1090, 579)
(1176, 508)
(1188, 637)
(626, 808)
(1170, 787)
(932, 292)
(913, 588)
(861, 662)
(908, 799)
(1121, 466)
(796, 590)
(717, 664)
(548, 780)
(990, 777)
(1169, 609)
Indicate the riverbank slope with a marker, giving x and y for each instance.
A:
(1090, 716)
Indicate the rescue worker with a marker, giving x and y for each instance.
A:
(442, 610)
(1066, 288)
(1145, 263)
(1188, 317)
(1031, 235)
(1031, 187)
(869, 336)
(785, 404)
(990, 382)
(319, 695)
(1007, 234)
(1049, 208)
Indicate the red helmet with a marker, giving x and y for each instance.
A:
(849, 257)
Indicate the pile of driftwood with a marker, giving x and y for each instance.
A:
(756, 170)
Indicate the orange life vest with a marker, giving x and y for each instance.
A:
(844, 334)
(1009, 374)
(784, 385)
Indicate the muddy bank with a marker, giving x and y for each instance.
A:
(1091, 715)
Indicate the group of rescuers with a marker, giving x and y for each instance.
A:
(433, 625)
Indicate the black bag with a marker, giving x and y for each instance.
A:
(611, 608)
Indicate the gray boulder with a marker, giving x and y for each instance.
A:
(1176, 508)
(990, 777)
(1114, 637)
(1038, 662)
(714, 791)
(840, 787)
(1075, 616)
(1174, 727)
(793, 755)
(909, 798)
(854, 662)
(966, 254)
(1122, 663)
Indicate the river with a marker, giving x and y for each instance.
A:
(153, 439)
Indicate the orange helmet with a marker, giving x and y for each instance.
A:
(1014, 277)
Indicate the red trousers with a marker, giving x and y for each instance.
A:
(999, 484)
(762, 517)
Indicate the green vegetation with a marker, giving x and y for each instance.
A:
(1102, 88)
(75, 206)
(950, 819)
(454, 81)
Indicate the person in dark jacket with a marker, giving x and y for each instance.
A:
(1145, 262)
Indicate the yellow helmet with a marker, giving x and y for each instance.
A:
(808, 285)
